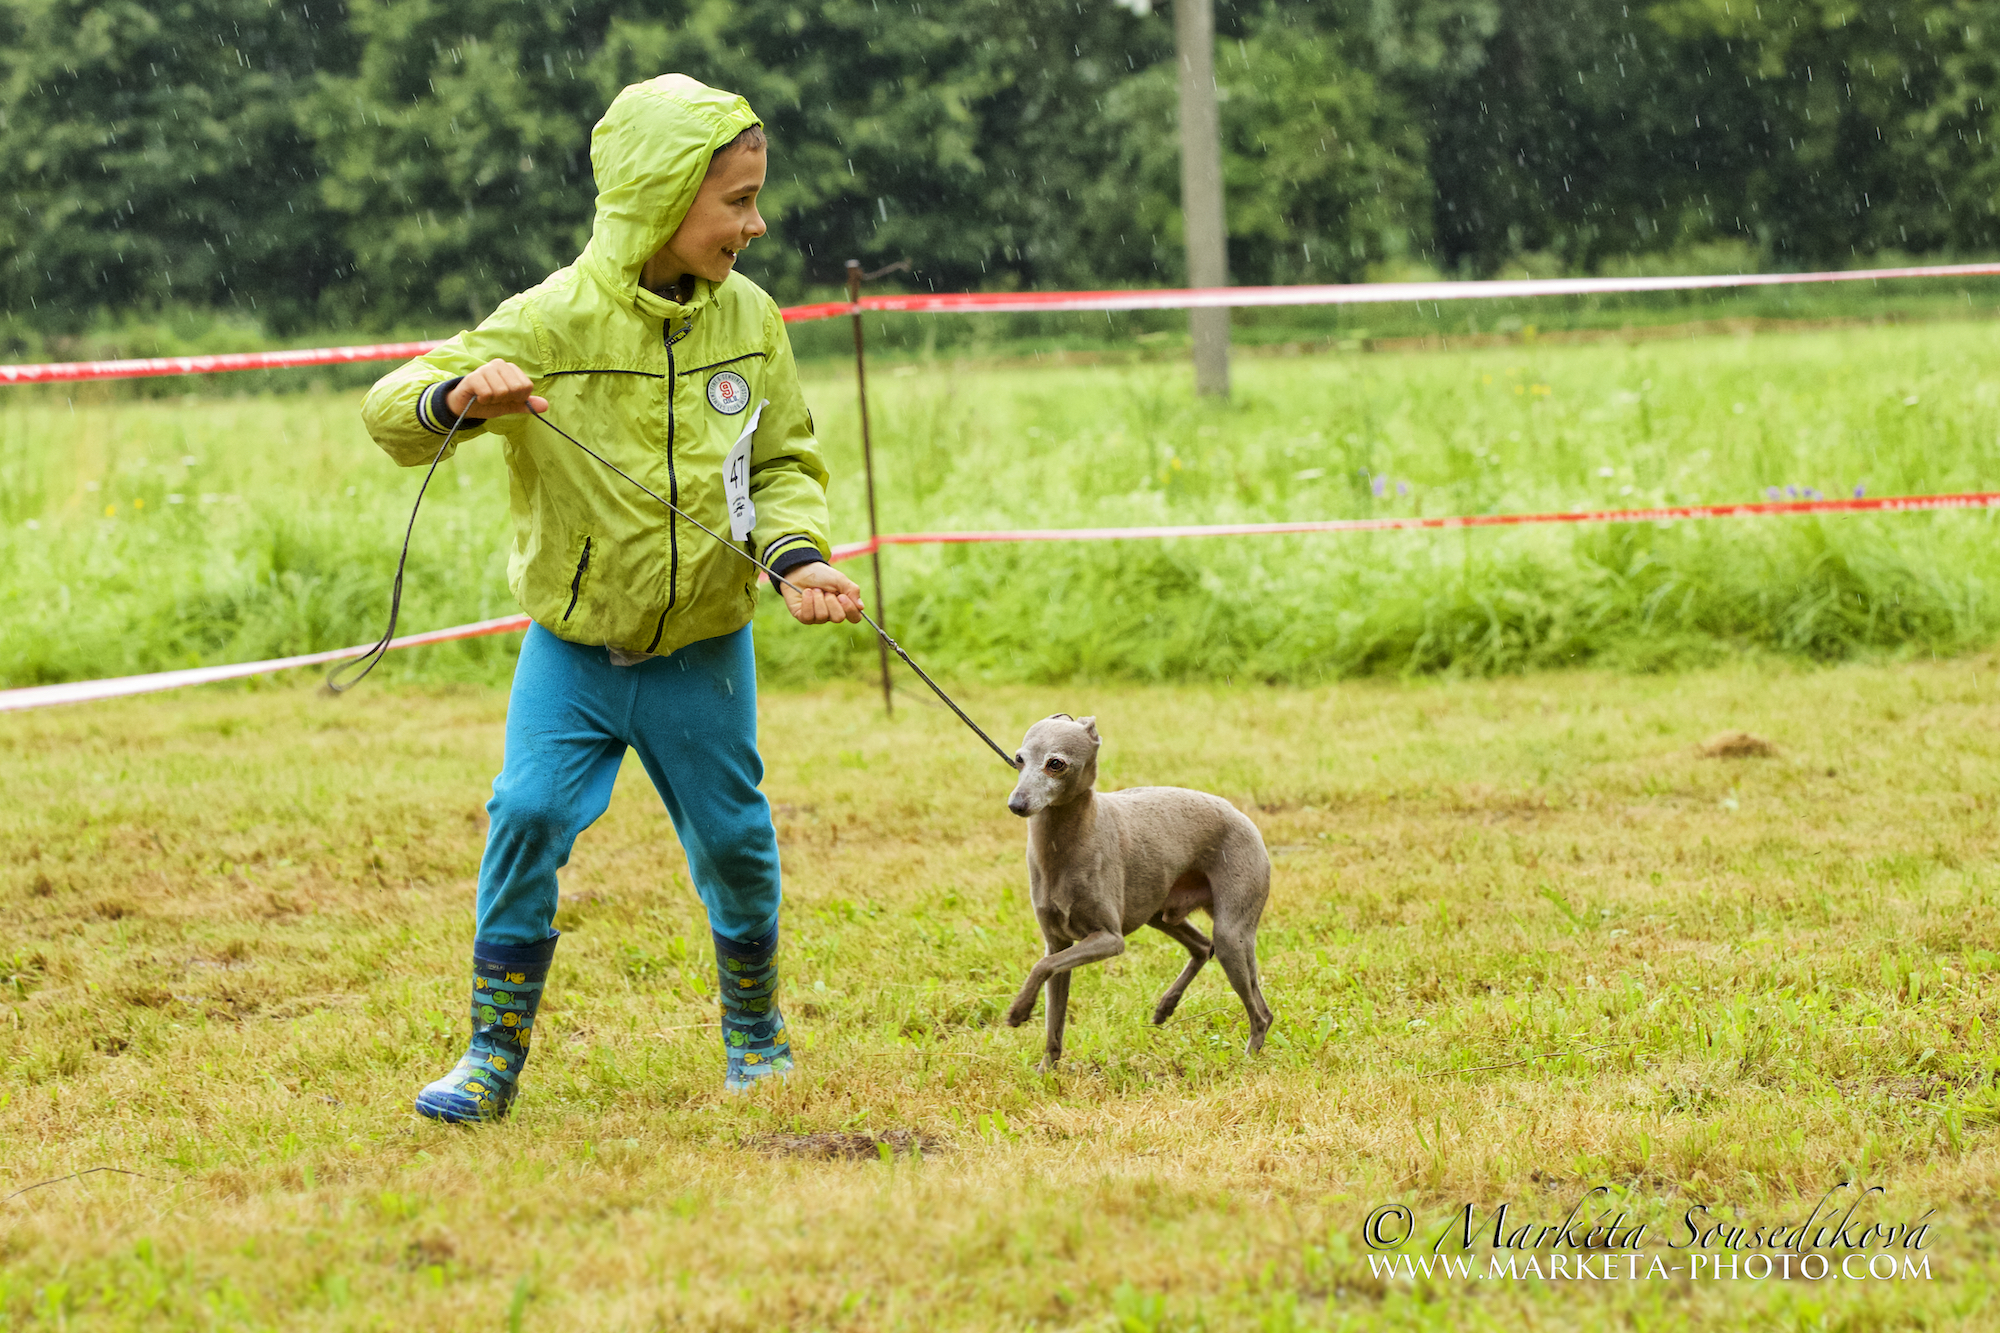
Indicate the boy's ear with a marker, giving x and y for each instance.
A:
(1089, 724)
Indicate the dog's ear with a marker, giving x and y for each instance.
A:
(1089, 724)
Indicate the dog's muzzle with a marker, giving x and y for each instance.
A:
(1018, 803)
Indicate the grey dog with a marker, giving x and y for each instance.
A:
(1103, 864)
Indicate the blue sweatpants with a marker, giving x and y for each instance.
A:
(692, 716)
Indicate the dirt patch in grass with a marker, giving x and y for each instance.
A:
(1737, 745)
(838, 1147)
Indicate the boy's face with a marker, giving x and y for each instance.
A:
(722, 220)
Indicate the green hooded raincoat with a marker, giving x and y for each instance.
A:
(656, 386)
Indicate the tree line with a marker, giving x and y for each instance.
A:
(375, 162)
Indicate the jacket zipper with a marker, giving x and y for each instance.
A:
(576, 583)
(674, 494)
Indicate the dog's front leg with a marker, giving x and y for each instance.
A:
(1058, 1014)
(1090, 949)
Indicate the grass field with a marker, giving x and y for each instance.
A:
(143, 534)
(1523, 940)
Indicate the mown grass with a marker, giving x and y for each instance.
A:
(1523, 940)
(285, 531)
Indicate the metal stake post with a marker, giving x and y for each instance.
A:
(868, 470)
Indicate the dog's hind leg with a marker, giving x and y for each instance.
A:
(1057, 1016)
(1238, 955)
(1199, 951)
(1242, 885)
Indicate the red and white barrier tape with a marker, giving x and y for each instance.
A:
(1365, 293)
(1667, 513)
(67, 371)
(1001, 303)
(83, 691)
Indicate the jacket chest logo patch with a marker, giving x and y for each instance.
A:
(728, 392)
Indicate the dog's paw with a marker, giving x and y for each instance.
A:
(1165, 1010)
(1019, 1014)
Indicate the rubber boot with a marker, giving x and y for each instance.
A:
(506, 991)
(754, 1039)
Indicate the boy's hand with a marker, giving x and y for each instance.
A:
(821, 595)
(500, 387)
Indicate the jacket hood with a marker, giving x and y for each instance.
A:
(649, 154)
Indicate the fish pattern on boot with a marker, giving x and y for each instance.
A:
(755, 1042)
(506, 992)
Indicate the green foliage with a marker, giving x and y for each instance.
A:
(457, 163)
(154, 153)
(1878, 141)
(1324, 168)
(458, 153)
(1818, 130)
(397, 162)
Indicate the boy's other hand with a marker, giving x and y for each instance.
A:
(500, 387)
(821, 595)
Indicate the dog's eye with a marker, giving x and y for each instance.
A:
(1055, 765)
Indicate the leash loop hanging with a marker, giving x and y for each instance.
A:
(776, 578)
(367, 661)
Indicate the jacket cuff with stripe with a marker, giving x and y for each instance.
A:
(432, 414)
(788, 553)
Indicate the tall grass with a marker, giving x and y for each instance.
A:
(284, 533)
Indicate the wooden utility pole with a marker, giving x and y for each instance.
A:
(868, 471)
(1201, 189)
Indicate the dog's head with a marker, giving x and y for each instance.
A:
(1057, 761)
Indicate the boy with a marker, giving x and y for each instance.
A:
(655, 353)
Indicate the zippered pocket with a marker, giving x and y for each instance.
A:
(576, 580)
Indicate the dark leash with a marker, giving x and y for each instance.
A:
(375, 654)
(334, 682)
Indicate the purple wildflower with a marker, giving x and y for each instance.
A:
(1860, 489)
(1379, 485)
(1773, 493)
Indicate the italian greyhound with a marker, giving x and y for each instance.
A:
(1103, 864)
